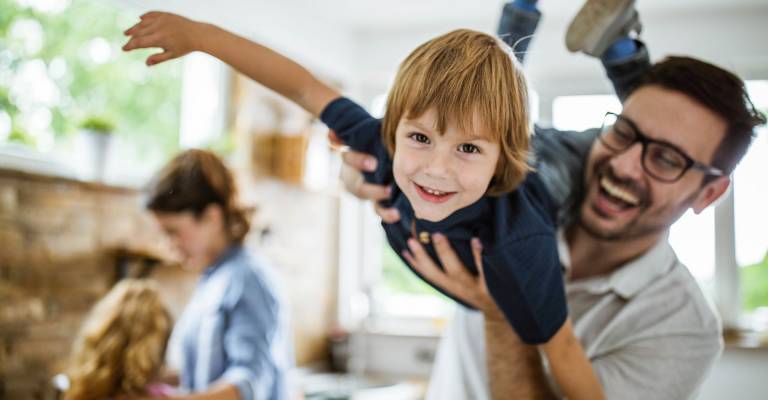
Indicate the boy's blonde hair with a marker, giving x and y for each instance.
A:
(121, 344)
(462, 74)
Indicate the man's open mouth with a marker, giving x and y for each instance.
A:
(616, 198)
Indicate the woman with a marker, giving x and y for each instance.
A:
(233, 333)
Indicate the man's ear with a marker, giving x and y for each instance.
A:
(710, 193)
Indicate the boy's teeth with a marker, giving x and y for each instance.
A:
(618, 192)
(433, 191)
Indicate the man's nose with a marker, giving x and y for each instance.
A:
(629, 163)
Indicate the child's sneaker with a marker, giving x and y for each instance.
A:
(599, 23)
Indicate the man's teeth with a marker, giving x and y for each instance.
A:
(618, 192)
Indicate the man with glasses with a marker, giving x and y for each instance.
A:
(637, 311)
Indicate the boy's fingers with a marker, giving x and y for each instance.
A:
(150, 15)
(360, 161)
(451, 262)
(159, 57)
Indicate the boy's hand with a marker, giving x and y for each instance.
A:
(174, 34)
(351, 175)
(455, 278)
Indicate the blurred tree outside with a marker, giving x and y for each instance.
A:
(61, 63)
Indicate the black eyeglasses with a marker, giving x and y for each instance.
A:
(661, 160)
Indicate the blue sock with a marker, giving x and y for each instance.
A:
(621, 49)
(528, 5)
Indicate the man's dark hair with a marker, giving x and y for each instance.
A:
(718, 90)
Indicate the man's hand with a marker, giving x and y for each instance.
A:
(351, 175)
(455, 279)
(174, 34)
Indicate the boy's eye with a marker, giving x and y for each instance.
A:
(419, 137)
(468, 148)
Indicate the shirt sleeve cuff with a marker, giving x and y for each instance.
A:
(250, 386)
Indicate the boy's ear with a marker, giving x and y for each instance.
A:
(710, 193)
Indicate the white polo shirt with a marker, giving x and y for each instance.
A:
(646, 327)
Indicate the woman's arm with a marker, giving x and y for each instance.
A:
(178, 36)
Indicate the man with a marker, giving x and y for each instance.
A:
(637, 312)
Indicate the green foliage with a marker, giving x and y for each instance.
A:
(19, 136)
(98, 124)
(399, 278)
(95, 77)
(754, 285)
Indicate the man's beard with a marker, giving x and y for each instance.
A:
(639, 226)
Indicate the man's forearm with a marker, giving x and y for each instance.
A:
(514, 368)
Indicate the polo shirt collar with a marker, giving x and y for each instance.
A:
(633, 276)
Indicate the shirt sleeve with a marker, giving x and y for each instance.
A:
(359, 130)
(559, 159)
(251, 329)
(660, 367)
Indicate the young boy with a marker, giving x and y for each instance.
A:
(455, 141)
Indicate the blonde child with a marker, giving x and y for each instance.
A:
(121, 345)
(454, 141)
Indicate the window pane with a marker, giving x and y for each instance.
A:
(578, 113)
(400, 293)
(750, 202)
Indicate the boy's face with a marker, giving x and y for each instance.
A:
(650, 206)
(440, 174)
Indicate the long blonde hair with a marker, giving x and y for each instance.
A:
(121, 344)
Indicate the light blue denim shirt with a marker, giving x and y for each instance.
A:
(235, 330)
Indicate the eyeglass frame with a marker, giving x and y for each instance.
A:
(645, 141)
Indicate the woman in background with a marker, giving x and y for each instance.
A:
(120, 347)
(233, 333)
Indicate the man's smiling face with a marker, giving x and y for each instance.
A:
(621, 200)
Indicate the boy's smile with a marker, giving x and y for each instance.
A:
(441, 172)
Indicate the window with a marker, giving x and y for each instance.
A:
(61, 63)
(750, 198)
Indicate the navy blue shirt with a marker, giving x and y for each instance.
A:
(517, 230)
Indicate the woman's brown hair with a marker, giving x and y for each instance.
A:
(194, 180)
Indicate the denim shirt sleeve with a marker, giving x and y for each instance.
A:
(251, 327)
(359, 130)
(560, 158)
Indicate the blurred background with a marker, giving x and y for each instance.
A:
(84, 126)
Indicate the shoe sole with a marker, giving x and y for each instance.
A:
(583, 35)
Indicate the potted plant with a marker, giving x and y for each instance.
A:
(95, 138)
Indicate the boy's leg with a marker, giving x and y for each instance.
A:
(518, 22)
(602, 29)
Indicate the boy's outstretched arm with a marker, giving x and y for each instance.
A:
(178, 36)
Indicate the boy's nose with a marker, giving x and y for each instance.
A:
(438, 165)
